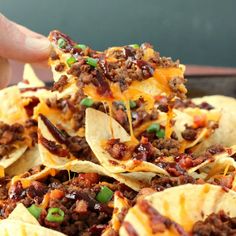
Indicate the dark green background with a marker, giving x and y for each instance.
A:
(195, 31)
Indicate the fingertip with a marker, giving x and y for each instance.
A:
(40, 48)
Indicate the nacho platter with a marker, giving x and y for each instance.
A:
(114, 147)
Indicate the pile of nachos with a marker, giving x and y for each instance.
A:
(115, 147)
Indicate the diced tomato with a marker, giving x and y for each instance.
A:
(144, 140)
(200, 120)
(89, 178)
(159, 97)
(81, 206)
(56, 194)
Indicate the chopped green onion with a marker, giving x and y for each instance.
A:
(135, 46)
(61, 43)
(105, 194)
(88, 102)
(70, 61)
(132, 104)
(81, 46)
(34, 210)
(55, 215)
(160, 133)
(91, 61)
(153, 128)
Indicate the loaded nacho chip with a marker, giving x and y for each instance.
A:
(184, 210)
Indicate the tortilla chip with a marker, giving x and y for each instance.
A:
(49, 159)
(97, 129)
(226, 133)
(30, 79)
(28, 160)
(21, 223)
(153, 86)
(135, 180)
(19, 228)
(38, 176)
(12, 157)
(184, 205)
(12, 109)
(21, 213)
(218, 158)
(121, 205)
(186, 117)
(218, 101)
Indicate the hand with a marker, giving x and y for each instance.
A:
(21, 44)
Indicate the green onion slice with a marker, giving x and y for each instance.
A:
(81, 46)
(34, 210)
(70, 61)
(88, 102)
(160, 133)
(153, 128)
(61, 43)
(132, 104)
(92, 61)
(55, 215)
(105, 194)
(135, 46)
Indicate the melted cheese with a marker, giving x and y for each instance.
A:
(25, 182)
(168, 128)
(187, 223)
(45, 201)
(226, 169)
(147, 89)
(2, 173)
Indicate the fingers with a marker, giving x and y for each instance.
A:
(27, 31)
(19, 43)
(5, 74)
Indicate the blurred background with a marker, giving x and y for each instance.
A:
(198, 32)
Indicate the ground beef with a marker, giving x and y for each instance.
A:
(140, 116)
(78, 68)
(118, 64)
(79, 147)
(215, 149)
(206, 106)
(3, 187)
(217, 224)
(34, 101)
(186, 103)
(166, 147)
(144, 151)
(175, 85)
(116, 149)
(60, 67)
(189, 134)
(186, 161)
(9, 134)
(161, 183)
(60, 84)
(71, 107)
(167, 62)
(84, 215)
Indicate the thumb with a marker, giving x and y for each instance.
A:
(22, 45)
